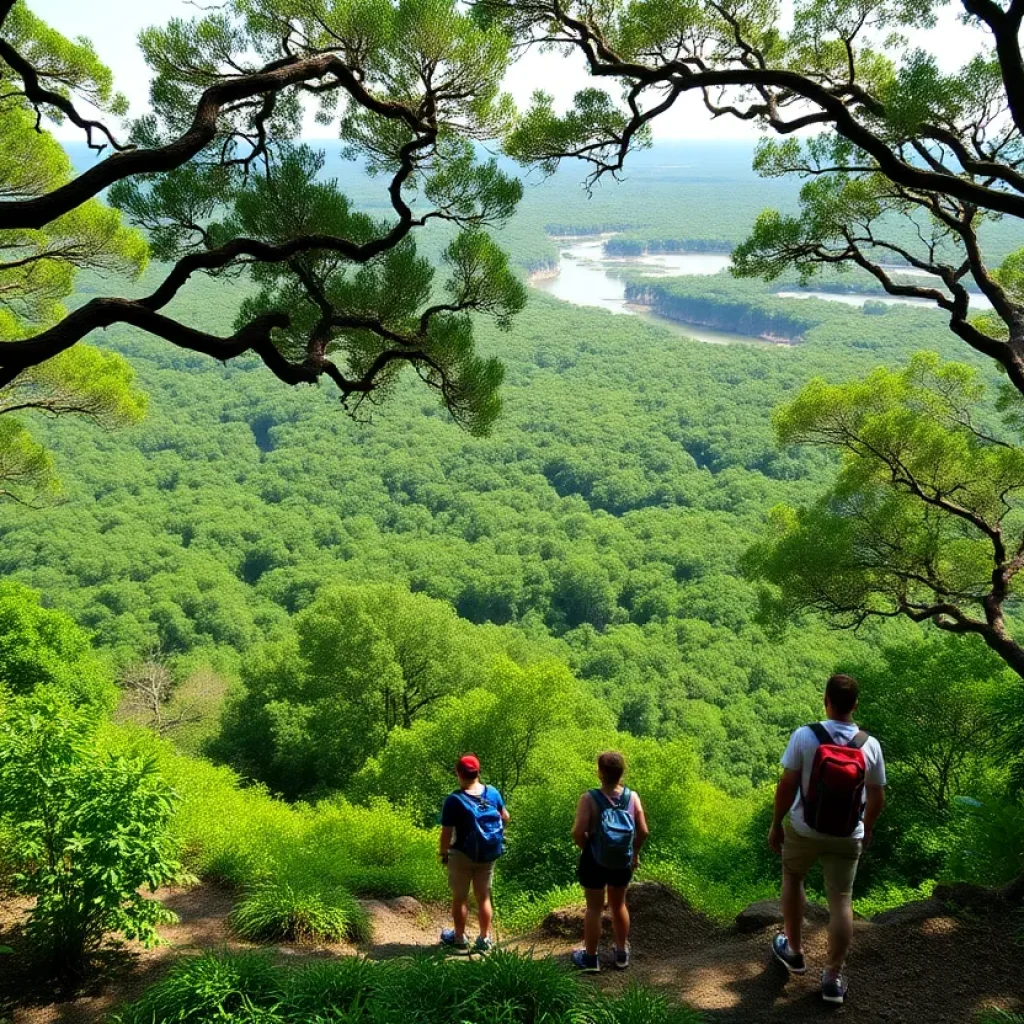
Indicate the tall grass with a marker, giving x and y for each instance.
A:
(504, 988)
(243, 837)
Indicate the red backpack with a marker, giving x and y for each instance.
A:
(834, 800)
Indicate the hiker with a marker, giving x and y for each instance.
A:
(832, 786)
(610, 829)
(476, 815)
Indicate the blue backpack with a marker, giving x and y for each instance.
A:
(486, 838)
(612, 841)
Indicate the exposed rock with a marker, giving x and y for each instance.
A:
(768, 913)
(567, 923)
(911, 913)
(654, 908)
(406, 905)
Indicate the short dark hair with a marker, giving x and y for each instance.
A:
(465, 773)
(841, 692)
(611, 766)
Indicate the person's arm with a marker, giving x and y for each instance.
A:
(502, 809)
(785, 794)
(642, 831)
(581, 826)
(873, 808)
(449, 812)
(446, 842)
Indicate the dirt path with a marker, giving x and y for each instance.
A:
(918, 965)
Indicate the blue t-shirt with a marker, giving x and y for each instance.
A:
(455, 814)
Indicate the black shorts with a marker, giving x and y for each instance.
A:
(592, 875)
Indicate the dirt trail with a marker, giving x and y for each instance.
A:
(919, 965)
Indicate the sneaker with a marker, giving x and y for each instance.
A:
(833, 986)
(586, 963)
(483, 944)
(456, 945)
(793, 962)
(621, 957)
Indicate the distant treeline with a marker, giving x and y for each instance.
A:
(631, 246)
(582, 231)
(685, 300)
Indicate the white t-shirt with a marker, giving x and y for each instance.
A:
(799, 756)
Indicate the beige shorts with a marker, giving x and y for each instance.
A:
(464, 874)
(839, 857)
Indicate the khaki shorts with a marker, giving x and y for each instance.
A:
(839, 856)
(465, 874)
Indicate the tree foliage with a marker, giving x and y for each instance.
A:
(924, 519)
(216, 177)
(904, 164)
(44, 648)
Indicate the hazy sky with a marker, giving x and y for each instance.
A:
(113, 26)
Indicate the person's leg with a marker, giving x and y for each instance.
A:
(839, 866)
(794, 905)
(620, 915)
(482, 891)
(592, 920)
(459, 880)
(798, 856)
(460, 914)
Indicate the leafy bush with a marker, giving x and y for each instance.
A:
(303, 913)
(887, 895)
(505, 988)
(88, 830)
(999, 1017)
(245, 838)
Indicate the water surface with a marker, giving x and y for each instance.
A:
(589, 277)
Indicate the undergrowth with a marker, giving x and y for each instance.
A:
(305, 912)
(504, 988)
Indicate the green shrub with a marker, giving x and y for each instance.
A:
(88, 830)
(639, 1005)
(504, 988)
(281, 910)
(222, 987)
(517, 913)
(999, 1017)
(887, 895)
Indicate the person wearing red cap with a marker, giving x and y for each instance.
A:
(473, 821)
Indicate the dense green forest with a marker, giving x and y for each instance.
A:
(577, 572)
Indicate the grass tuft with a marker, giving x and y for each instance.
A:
(285, 911)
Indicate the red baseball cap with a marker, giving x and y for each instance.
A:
(469, 763)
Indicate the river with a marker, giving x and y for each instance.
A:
(587, 277)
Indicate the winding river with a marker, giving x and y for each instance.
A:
(588, 277)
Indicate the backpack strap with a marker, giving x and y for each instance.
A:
(859, 740)
(821, 734)
(603, 803)
(625, 798)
